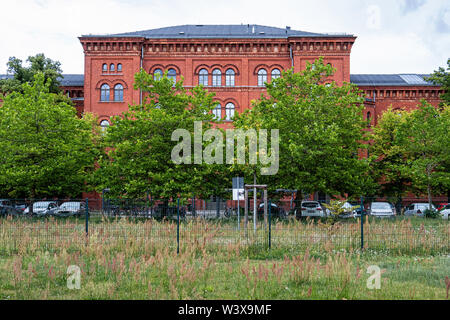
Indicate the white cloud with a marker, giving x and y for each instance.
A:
(411, 36)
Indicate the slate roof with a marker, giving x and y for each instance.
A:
(243, 31)
(67, 80)
(77, 80)
(390, 80)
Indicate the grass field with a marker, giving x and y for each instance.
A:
(125, 259)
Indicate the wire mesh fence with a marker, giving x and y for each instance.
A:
(180, 223)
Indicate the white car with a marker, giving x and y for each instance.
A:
(381, 209)
(43, 208)
(445, 212)
(72, 208)
(417, 209)
(313, 209)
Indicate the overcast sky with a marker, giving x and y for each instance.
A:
(399, 36)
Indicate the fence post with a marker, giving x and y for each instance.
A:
(178, 225)
(87, 217)
(270, 224)
(362, 223)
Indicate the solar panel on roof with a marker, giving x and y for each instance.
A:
(413, 79)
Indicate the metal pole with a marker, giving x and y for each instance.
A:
(265, 209)
(87, 216)
(178, 225)
(270, 224)
(193, 206)
(246, 212)
(238, 214)
(362, 223)
(254, 204)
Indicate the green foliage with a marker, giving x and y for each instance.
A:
(431, 214)
(410, 151)
(46, 150)
(25, 74)
(387, 155)
(337, 210)
(442, 77)
(140, 145)
(321, 130)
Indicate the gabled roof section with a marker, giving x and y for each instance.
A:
(390, 80)
(243, 31)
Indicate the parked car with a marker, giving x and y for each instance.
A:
(350, 210)
(42, 208)
(417, 209)
(275, 211)
(358, 208)
(9, 208)
(381, 209)
(445, 211)
(312, 209)
(72, 208)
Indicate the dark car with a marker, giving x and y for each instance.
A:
(7, 207)
(275, 211)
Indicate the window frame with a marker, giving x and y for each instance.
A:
(262, 77)
(217, 78)
(105, 93)
(203, 77)
(230, 78)
(217, 112)
(230, 111)
(119, 92)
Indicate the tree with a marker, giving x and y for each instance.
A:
(425, 136)
(321, 129)
(25, 74)
(46, 150)
(442, 77)
(388, 156)
(140, 144)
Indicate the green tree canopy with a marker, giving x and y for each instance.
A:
(321, 129)
(425, 136)
(388, 156)
(45, 149)
(25, 74)
(140, 144)
(442, 77)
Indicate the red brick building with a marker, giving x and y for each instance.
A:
(233, 61)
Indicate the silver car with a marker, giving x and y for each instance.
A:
(72, 208)
(313, 209)
(42, 208)
(417, 209)
(381, 209)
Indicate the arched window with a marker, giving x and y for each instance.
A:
(118, 92)
(104, 92)
(172, 75)
(105, 68)
(275, 74)
(104, 124)
(119, 67)
(229, 78)
(157, 74)
(217, 111)
(262, 77)
(216, 78)
(203, 77)
(369, 118)
(112, 67)
(229, 111)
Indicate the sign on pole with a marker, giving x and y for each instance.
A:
(238, 188)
